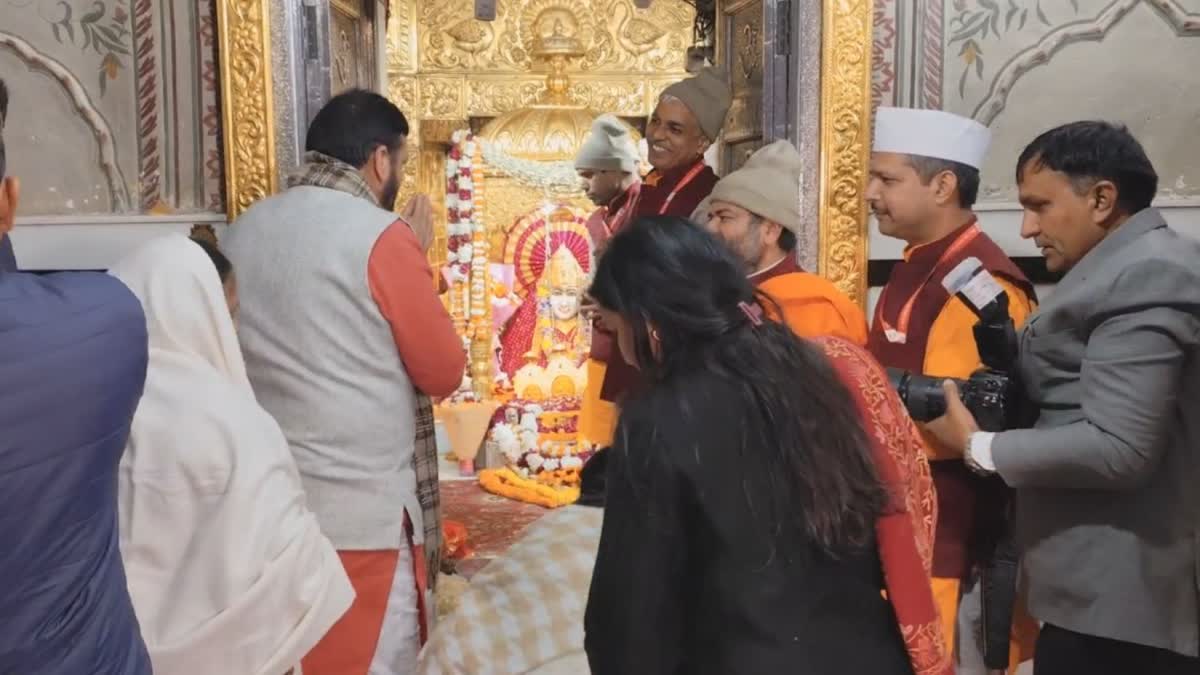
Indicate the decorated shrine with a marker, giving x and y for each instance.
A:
(517, 262)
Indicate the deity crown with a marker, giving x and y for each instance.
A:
(564, 271)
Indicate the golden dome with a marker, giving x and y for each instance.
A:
(543, 133)
(553, 129)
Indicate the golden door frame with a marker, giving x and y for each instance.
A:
(244, 43)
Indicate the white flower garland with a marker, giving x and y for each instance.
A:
(553, 177)
(460, 206)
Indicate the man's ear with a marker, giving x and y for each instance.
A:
(771, 232)
(1104, 201)
(944, 186)
(381, 163)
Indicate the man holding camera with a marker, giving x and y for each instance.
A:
(924, 178)
(1108, 514)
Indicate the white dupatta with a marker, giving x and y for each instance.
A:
(228, 569)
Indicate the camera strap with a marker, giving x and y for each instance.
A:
(898, 334)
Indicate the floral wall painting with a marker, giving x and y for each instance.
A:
(106, 33)
(1022, 66)
(127, 90)
(976, 23)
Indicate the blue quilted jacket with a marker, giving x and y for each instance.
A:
(72, 367)
(8, 259)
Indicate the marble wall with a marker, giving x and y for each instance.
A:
(1023, 66)
(114, 108)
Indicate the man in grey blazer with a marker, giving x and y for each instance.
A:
(1108, 480)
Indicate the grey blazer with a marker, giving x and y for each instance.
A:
(1108, 482)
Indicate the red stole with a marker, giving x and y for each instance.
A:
(904, 531)
(679, 192)
(920, 278)
(611, 219)
(658, 188)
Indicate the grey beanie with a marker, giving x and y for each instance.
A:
(608, 147)
(768, 185)
(708, 97)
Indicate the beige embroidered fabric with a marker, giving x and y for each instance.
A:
(523, 613)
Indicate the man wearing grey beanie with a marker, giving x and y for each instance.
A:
(756, 211)
(607, 164)
(687, 120)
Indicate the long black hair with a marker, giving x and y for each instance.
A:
(224, 267)
(670, 276)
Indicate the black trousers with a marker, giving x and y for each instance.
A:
(1063, 652)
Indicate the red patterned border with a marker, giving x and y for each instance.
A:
(935, 55)
(212, 141)
(145, 57)
(883, 54)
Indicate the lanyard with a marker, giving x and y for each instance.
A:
(611, 224)
(899, 334)
(687, 178)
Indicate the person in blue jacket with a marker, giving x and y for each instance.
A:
(73, 352)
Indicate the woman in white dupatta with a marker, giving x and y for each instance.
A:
(228, 569)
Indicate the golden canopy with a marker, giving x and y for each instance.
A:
(548, 131)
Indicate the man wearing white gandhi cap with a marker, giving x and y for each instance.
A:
(924, 178)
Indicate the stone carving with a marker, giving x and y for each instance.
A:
(244, 39)
(845, 143)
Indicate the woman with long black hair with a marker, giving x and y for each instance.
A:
(744, 497)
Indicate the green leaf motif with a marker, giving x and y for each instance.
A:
(97, 13)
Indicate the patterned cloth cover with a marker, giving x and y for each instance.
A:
(523, 613)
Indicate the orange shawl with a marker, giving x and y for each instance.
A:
(905, 530)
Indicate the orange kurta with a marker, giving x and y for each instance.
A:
(812, 306)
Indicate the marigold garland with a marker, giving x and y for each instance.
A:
(506, 483)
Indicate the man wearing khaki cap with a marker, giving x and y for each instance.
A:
(756, 210)
(607, 164)
(686, 121)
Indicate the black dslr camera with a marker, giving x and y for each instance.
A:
(991, 393)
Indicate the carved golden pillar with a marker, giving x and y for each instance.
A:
(247, 108)
(845, 143)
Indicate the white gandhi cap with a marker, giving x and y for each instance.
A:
(931, 133)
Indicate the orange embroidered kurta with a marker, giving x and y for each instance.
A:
(812, 306)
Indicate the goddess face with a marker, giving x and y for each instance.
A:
(564, 303)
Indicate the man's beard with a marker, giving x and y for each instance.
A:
(751, 252)
(391, 189)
